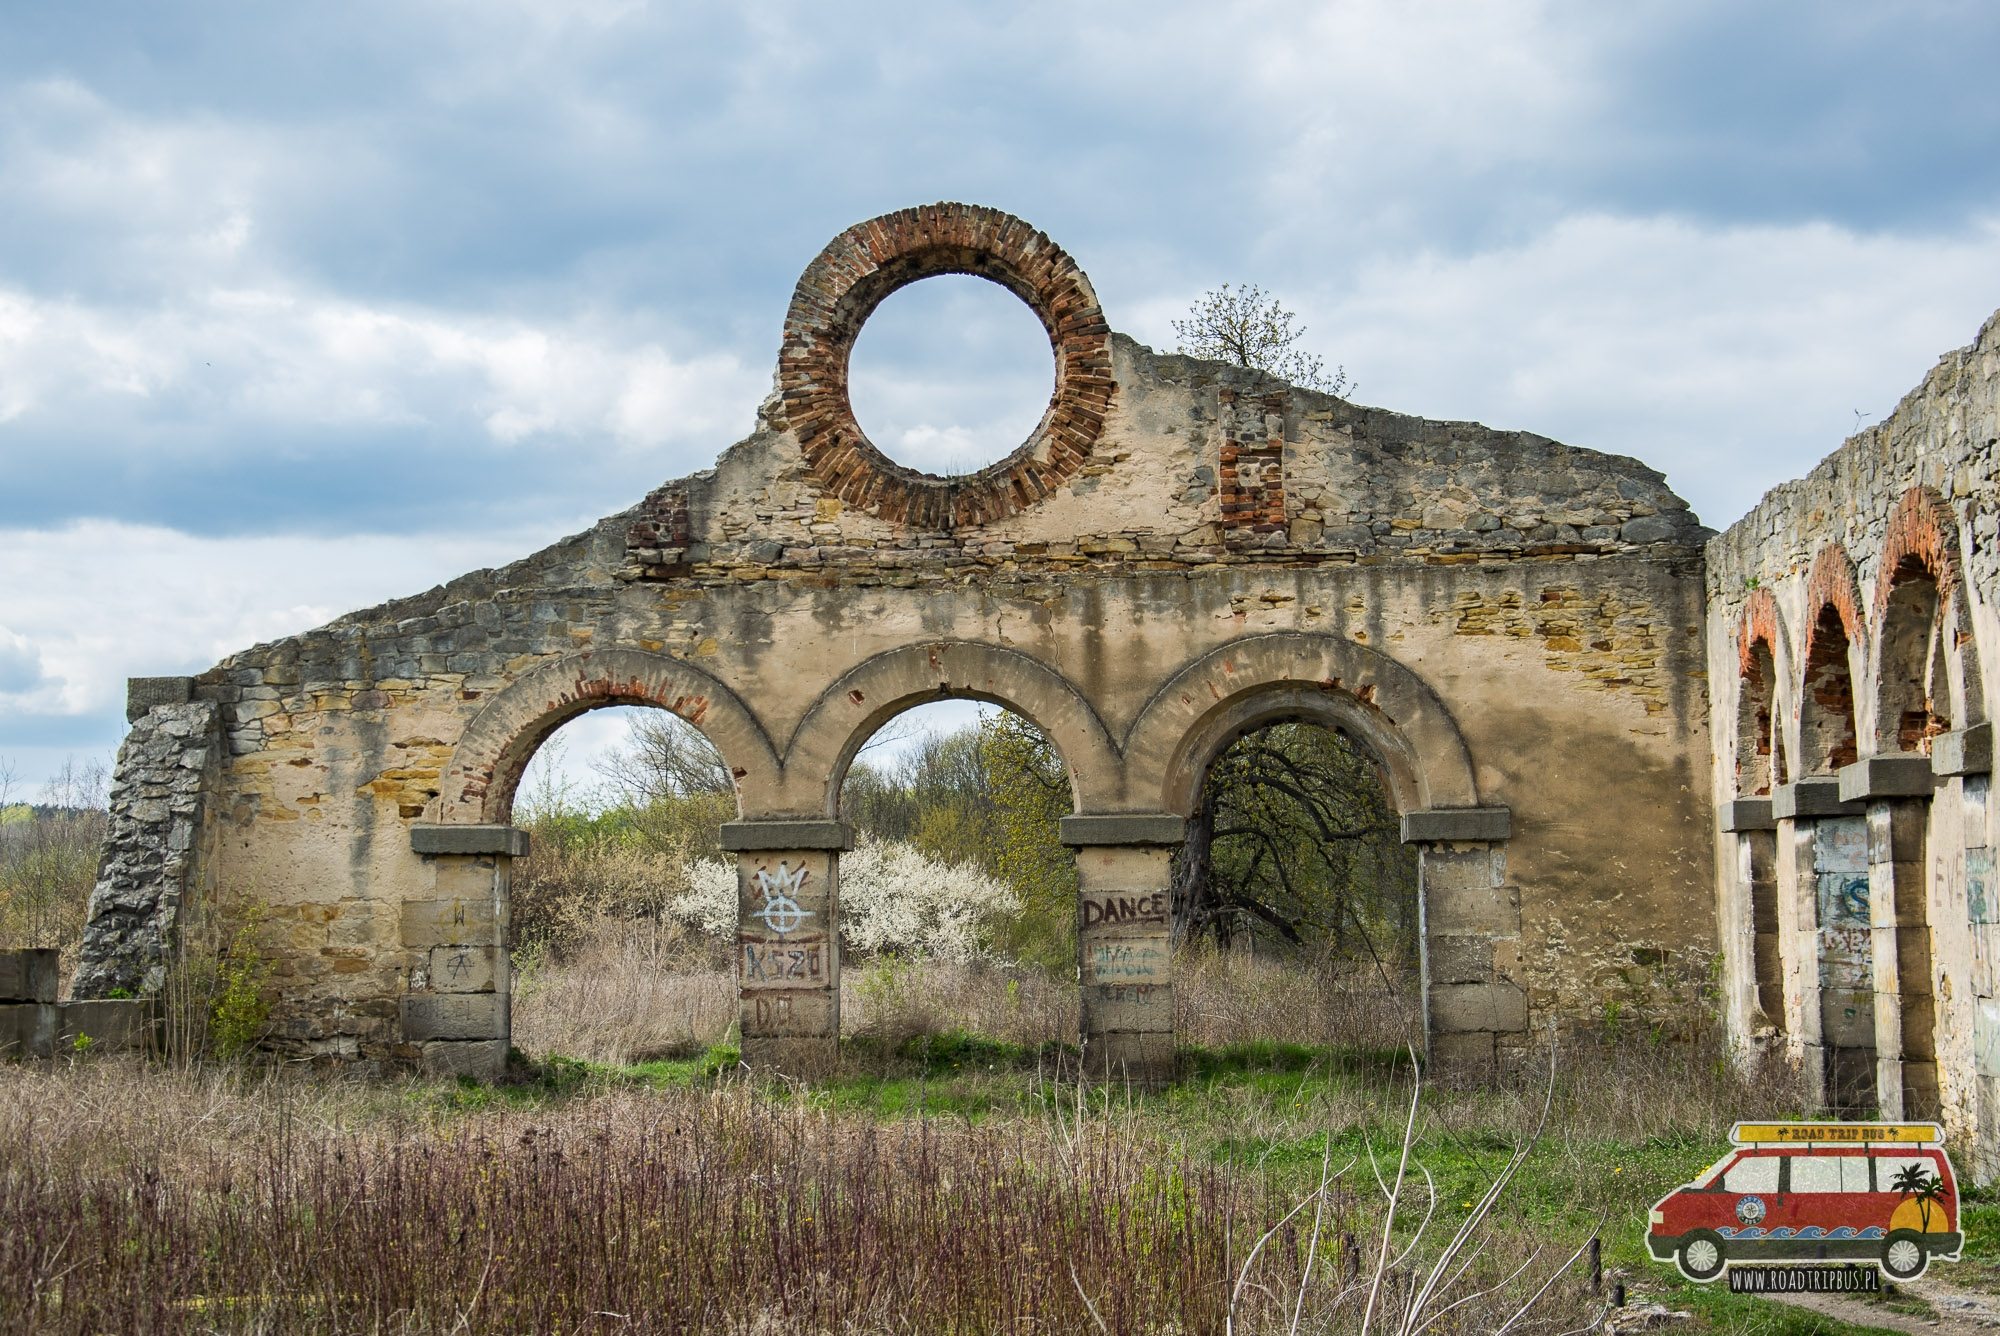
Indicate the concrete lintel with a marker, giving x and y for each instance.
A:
(1897, 775)
(1452, 825)
(143, 693)
(505, 840)
(1151, 828)
(753, 837)
(1804, 799)
(1748, 814)
(1964, 751)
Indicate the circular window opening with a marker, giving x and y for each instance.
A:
(950, 375)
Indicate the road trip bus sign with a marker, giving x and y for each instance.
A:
(1814, 1206)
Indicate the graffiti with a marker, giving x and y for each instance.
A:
(1127, 962)
(1125, 909)
(782, 912)
(793, 965)
(460, 966)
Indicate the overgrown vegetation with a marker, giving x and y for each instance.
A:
(48, 856)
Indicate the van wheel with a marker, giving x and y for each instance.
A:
(1701, 1256)
(1903, 1255)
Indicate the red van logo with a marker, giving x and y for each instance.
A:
(1802, 1193)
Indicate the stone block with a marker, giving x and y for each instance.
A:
(464, 921)
(1152, 828)
(1139, 1008)
(483, 1059)
(1101, 913)
(1457, 1007)
(503, 841)
(1444, 825)
(1123, 869)
(1139, 1058)
(454, 1016)
(1459, 958)
(1462, 869)
(1965, 751)
(27, 1030)
(805, 1059)
(1491, 910)
(1458, 1056)
(112, 1025)
(798, 1013)
(468, 969)
(1127, 960)
(471, 876)
(785, 964)
(30, 974)
(143, 693)
(1901, 775)
(1745, 814)
(779, 836)
(1806, 799)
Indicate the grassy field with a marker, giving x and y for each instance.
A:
(941, 1184)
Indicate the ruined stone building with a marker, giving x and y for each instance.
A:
(1620, 743)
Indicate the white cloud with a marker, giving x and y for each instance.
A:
(301, 358)
(101, 601)
(1731, 358)
(20, 663)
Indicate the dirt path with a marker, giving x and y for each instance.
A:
(1961, 1312)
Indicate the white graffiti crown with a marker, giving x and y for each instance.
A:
(785, 881)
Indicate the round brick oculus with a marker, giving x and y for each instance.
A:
(851, 277)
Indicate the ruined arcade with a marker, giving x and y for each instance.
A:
(1559, 670)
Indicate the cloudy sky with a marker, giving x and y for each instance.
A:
(305, 306)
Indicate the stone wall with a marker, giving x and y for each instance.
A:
(1182, 551)
(167, 768)
(1870, 586)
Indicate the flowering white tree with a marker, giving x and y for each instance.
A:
(892, 899)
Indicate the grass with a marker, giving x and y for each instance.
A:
(939, 1183)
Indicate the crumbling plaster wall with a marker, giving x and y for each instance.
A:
(1942, 438)
(1545, 601)
(1566, 650)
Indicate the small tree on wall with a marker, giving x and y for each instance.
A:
(1247, 327)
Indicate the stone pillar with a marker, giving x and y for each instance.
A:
(1475, 1009)
(788, 942)
(1798, 947)
(1897, 790)
(167, 766)
(1751, 923)
(1833, 849)
(456, 1015)
(1124, 942)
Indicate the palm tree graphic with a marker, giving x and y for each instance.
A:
(1916, 1181)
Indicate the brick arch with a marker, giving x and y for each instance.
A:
(486, 765)
(1227, 692)
(1920, 545)
(1828, 734)
(848, 712)
(851, 277)
(1762, 655)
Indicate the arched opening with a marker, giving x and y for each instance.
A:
(957, 903)
(621, 916)
(1760, 765)
(1296, 912)
(1911, 708)
(950, 374)
(1760, 759)
(1914, 702)
(1826, 704)
(1839, 861)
